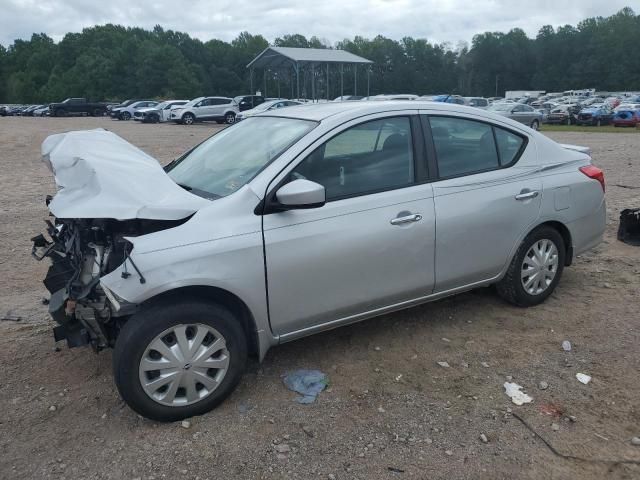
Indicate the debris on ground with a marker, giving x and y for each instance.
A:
(513, 391)
(443, 364)
(485, 364)
(551, 409)
(308, 383)
(555, 427)
(483, 438)
(11, 316)
(543, 385)
(629, 228)
(282, 448)
(566, 345)
(583, 378)
(185, 424)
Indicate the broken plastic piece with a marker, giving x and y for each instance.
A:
(583, 378)
(566, 346)
(513, 391)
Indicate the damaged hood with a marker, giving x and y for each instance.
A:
(101, 175)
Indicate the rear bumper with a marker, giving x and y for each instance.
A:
(588, 232)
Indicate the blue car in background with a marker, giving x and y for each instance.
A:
(595, 116)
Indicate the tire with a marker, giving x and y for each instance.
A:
(125, 116)
(229, 118)
(143, 330)
(154, 119)
(97, 112)
(511, 287)
(188, 119)
(535, 125)
(60, 113)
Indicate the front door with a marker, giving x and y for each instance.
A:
(484, 202)
(370, 246)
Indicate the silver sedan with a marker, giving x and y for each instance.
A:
(519, 112)
(296, 221)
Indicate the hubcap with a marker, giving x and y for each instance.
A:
(539, 267)
(188, 120)
(230, 119)
(184, 364)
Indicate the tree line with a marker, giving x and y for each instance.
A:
(112, 62)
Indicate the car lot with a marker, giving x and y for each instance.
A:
(390, 405)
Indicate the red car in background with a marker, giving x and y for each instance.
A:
(626, 118)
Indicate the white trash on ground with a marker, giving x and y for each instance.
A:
(566, 345)
(583, 378)
(513, 391)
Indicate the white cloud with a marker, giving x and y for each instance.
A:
(437, 20)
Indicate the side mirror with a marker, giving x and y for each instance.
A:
(301, 194)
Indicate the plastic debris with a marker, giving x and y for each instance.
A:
(443, 364)
(629, 228)
(308, 383)
(566, 346)
(513, 391)
(583, 378)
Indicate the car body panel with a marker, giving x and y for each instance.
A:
(337, 259)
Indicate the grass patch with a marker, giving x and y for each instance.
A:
(582, 128)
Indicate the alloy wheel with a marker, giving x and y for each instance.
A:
(184, 364)
(539, 267)
(230, 118)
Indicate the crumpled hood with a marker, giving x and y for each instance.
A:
(101, 175)
(147, 109)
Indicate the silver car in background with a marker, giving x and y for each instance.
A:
(519, 112)
(296, 221)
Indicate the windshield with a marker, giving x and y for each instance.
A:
(228, 160)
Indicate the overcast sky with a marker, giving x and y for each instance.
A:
(333, 20)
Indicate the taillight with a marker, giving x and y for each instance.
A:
(595, 173)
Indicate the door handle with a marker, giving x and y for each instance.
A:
(416, 217)
(527, 194)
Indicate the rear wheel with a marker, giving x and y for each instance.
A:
(230, 118)
(178, 360)
(188, 118)
(535, 269)
(535, 125)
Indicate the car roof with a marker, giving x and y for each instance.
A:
(322, 111)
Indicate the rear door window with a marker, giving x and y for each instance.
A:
(465, 147)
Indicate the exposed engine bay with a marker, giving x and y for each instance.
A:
(81, 251)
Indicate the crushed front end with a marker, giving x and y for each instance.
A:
(81, 251)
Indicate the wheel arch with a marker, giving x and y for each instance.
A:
(222, 297)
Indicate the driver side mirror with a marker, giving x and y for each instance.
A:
(300, 194)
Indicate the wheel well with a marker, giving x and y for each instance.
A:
(566, 237)
(220, 296)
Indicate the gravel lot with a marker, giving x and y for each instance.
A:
(391, 411)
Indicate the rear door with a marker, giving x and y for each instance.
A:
(484, 201)
(370, 246)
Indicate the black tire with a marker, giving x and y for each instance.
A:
(60, 113)
(125, 116)
(144, 326)
(98, 112)
(510, 287)
(535, 125)
(154, 118)
(229, 118)
(188, 119)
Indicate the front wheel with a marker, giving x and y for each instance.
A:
(535, 125)
(178, 360)
(535, 269)
(230, 118)
(125, 116)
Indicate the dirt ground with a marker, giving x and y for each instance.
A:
(390, 412)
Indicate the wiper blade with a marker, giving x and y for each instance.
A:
(186, 187)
